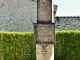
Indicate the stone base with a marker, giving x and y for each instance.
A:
(44, 52)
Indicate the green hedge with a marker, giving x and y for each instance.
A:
(20, 46)
(17, 46)
(67, 45)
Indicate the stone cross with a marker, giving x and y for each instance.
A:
(44, 31)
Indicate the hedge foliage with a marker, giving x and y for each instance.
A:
(17, 46)
(67, 45)
(20, 46)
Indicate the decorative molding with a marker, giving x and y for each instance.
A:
(44, 50)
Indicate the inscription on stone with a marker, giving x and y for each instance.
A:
(44, 33)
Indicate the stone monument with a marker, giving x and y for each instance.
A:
(44, 31)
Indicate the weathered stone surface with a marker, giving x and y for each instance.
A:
(44, 33)
(44, 52)
(15, 15)
(44, 8)
(67, 23)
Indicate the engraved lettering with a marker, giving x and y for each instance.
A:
(45, 33)
(44, 38)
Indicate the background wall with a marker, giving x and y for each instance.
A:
(16, 15)
(67, 23)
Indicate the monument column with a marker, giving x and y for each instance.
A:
(44, 11)
(44, 31)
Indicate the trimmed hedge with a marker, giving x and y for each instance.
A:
(67, 45)
(20, 46)
(17, 46)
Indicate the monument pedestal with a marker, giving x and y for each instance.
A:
(44, 52)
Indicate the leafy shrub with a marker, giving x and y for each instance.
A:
(67, 45)
(20, 46)
(17, 46)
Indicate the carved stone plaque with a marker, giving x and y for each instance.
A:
(44, 33)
